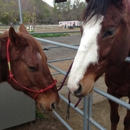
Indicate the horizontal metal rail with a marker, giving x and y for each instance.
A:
(118, 101)
(50, 47)
(56, 73)
(62, 121)
(51, 61)
(57, 69)
(127, 59)
(92, 121)
(57, 43)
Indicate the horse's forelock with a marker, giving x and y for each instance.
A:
(41, 50)
(95, 7)
(38, 47)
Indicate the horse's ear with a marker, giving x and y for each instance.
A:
(14, 37)
(23, 29)
(16, 40)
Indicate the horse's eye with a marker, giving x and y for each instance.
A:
(108, 33)
(32, 68)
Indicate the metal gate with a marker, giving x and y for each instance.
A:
(87, 112)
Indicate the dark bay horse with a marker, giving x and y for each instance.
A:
(104, 45)
(24, 65)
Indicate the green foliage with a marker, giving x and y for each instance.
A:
(39, 115)
(8, 11)
(49, 35)
(38, 12)
(68, 10)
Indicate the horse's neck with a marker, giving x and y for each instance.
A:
(3, 60)
(127, 11)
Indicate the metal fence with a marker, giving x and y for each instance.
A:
(87, 112)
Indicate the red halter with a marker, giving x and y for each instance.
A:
(11, 76)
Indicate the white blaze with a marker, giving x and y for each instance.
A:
(87, 52)
(39, 55)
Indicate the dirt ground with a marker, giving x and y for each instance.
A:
(100, 111)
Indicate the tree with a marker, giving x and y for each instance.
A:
(8, 12)
(68, 10)
(37, 11)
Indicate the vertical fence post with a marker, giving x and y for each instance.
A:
(85, 115)
(20, 12)
(90, 102)
(87, 112)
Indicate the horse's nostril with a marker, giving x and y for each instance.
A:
(78, 91)
(53, 105)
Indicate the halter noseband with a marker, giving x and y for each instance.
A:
(11, 76)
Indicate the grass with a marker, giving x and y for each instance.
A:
(39, 115)
(49, 35)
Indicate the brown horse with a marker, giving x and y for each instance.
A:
(104, 45)
(24, 65)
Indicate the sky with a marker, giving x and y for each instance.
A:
(50, 2)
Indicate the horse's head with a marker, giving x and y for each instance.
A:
(30, 69)
(104, 43)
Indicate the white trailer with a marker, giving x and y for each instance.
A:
(70, 24)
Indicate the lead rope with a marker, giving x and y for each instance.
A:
(68, 107)
(65, 78)
(69, 101)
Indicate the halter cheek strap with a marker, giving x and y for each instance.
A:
(11, 76)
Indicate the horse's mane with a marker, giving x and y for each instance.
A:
(39, 47)
(95, 7)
